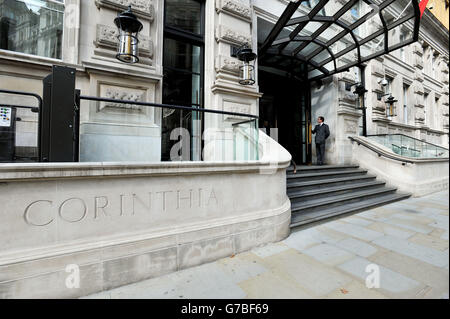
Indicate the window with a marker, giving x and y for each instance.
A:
(427, 111)
(403, 38)
(434, 64)
(32, 27)
(405, 103)
(183, 72)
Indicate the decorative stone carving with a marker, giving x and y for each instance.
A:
(235, 8)
(107, 38)
(418, 88)
(418, 61)
(418, 75)
(377, 70)
(418, 101)
(445, 111)
(234, 37)
(445, 100)
(420, 117)
(142, 8)
(379, 108)
(123, 94)
(235, 107)
(445, 124)
(417, 48)
(227, 64)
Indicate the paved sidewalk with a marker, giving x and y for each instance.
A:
(406, 241)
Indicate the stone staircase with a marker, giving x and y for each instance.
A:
(320, 192)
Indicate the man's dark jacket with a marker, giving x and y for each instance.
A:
(322, 132)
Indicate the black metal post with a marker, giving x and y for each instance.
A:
(58, 117)
(362, 69)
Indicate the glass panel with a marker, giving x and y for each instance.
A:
(369, 27)
(347, 58)
(321, 56)
(314, 73)
(181, 55)
(398, 35)
(32, 27)
(18, 130)
(184, 14)
(330, 33)
(409, 147)
(332, 7)
(246, 140)
(374, 46)
(342, 44)
(308, 49)
(312, 26)
(329, 66)
(390, 18)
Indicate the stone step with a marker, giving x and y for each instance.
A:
(306, 218)
(328, 202)
(323, 168)
(325, 183)
(324, 175)
(303, 195)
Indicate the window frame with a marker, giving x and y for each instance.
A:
(68, 32)
(178, 34)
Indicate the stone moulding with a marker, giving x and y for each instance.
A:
(142, 8)
(234, 37)
(235, 8)
(107, 38)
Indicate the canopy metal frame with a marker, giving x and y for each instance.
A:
(275, 47)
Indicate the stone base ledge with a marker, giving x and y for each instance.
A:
(109, 263)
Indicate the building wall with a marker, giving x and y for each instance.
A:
(440, 9)
(110, 132)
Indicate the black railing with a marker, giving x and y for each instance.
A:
(167, 106)
(34, 109)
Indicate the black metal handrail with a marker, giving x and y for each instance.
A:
(37, 96)
(379, 153)
(34, 109)
(168, 106)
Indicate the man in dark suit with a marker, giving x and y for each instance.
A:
(322, 132)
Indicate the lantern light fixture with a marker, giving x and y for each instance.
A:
(129, 27)
(391, 109)
(247, 69)
(360, 90)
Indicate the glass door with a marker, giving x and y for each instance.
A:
(183, 78)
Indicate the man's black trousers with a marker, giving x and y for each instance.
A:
(320, 150)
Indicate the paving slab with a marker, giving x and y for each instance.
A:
(404, 247)
(390, 281)
(407, 240)
(357, 247)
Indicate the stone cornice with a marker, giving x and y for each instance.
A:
(142, 8)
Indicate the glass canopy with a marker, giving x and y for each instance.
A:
(315, 39)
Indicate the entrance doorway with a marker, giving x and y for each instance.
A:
(285, 106)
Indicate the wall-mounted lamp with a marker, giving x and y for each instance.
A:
(360, 90)
(247, 70)
(391, 106)
(129, 27)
